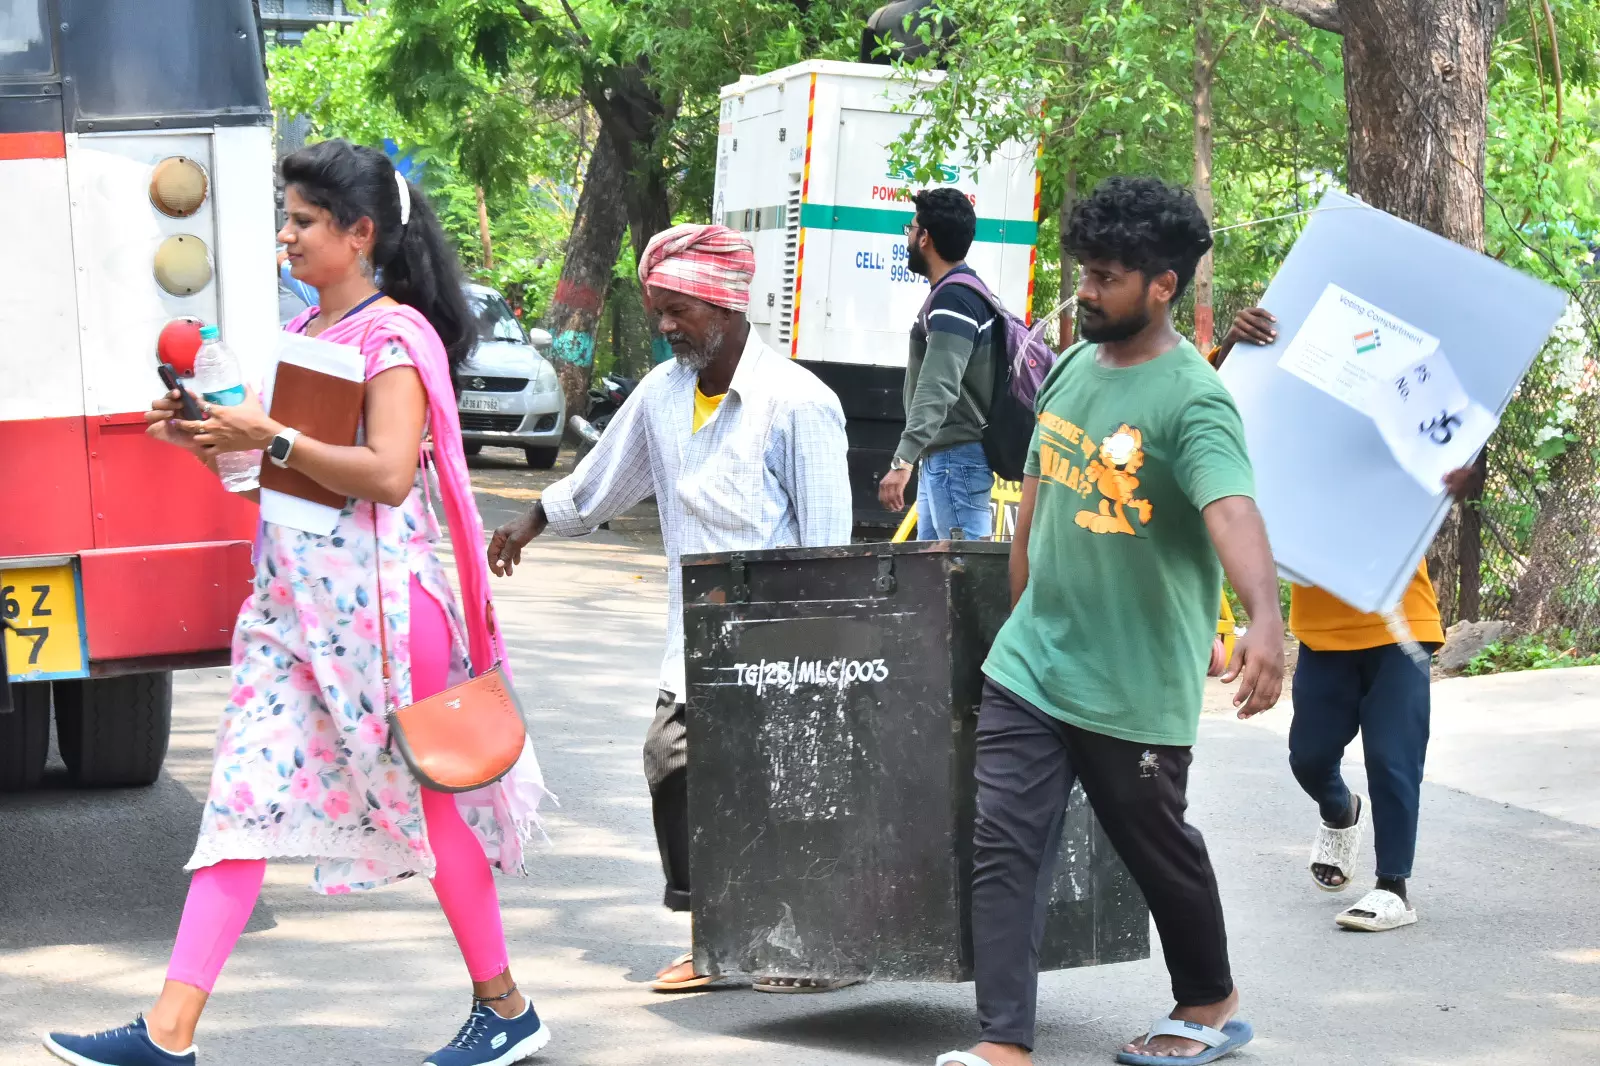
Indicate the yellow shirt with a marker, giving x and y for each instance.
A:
(1323, 622)
(704, 407)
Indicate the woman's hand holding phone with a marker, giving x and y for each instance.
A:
(161, 423)
(241, 427)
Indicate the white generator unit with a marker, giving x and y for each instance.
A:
(804, 168)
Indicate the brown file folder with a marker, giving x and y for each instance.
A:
(322, 406)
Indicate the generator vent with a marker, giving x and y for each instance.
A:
(791, 264)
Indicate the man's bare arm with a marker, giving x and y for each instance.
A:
(1019, 539)
(1240, 538)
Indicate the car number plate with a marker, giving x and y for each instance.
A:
(44, 611)
(480, 403)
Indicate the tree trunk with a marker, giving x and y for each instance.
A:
(1417, 90)
(592, 248)
(634, 116)
(483, 230)
(1069, 265)
(1204, 69)
(1563, 543)
(1416, 75)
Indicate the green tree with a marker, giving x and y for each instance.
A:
(1244, 106)
(1419, 80)
(1505, 104)
(648, 70)
(327, 80)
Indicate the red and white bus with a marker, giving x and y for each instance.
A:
(136, 183)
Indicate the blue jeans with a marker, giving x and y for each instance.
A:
(1384, 695)
(953, 490)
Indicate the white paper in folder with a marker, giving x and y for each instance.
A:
(1347, 478)
(340, 360)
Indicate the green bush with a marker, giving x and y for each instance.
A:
(1534, 652)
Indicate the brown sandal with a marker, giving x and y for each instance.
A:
(688, 984)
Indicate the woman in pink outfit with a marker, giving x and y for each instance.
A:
(303, 764)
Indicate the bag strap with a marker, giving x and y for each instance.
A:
(967, 280)
(383, 619)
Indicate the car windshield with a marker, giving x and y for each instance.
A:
(495, 322)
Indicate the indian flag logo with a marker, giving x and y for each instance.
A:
(1367, 342)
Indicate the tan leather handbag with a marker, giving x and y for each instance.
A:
(464, 738)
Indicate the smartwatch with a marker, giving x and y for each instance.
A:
(278, 451)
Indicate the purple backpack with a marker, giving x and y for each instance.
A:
(1022, 362)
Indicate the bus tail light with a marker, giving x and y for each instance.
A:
(178, 186)
(183, 264)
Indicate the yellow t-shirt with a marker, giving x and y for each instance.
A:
(704, 407)
(1323, 622)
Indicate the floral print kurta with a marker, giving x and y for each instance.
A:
(303, 767)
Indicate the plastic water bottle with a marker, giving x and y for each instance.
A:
(220, 382)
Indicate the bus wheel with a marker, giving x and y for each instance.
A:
(113, 731)
(24, 736)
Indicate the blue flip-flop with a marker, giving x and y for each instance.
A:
(1219, 1042)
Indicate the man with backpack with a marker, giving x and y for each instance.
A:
(950, 377)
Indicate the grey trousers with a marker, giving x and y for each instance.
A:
(666, 770)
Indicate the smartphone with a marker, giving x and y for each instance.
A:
(169, 378)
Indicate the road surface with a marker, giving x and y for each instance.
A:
(1503, 968)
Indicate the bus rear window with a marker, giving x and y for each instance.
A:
(136, 61)
(24, 39)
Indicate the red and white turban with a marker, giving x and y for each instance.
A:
(710, 263)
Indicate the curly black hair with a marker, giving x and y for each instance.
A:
(949, 220)
(1144, 224)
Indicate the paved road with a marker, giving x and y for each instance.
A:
(1504, 967)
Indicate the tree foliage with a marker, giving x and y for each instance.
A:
(329, 80)
(649, 70)
(1107, 86)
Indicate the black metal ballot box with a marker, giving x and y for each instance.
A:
(832, 704)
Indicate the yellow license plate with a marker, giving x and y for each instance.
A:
(43, 608)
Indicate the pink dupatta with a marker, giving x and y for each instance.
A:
(371, 331)
(515, 798)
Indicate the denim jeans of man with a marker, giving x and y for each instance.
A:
(1385, 696)
(953, 491)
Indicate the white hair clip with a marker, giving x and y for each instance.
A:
(405, 197)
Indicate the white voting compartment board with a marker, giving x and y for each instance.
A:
(1376, 317)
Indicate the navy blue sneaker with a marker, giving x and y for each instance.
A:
(129, 1046)
(490, 1040)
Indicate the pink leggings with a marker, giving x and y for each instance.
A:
(222, 896)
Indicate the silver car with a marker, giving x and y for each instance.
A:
(509, 393)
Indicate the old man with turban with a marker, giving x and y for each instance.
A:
(742, 448)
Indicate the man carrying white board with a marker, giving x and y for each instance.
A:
(1353, 674)
(1137, 497)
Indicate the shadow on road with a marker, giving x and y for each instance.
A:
(880, 1030)
(102, 866)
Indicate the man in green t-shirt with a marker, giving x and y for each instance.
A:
(1137, 481)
